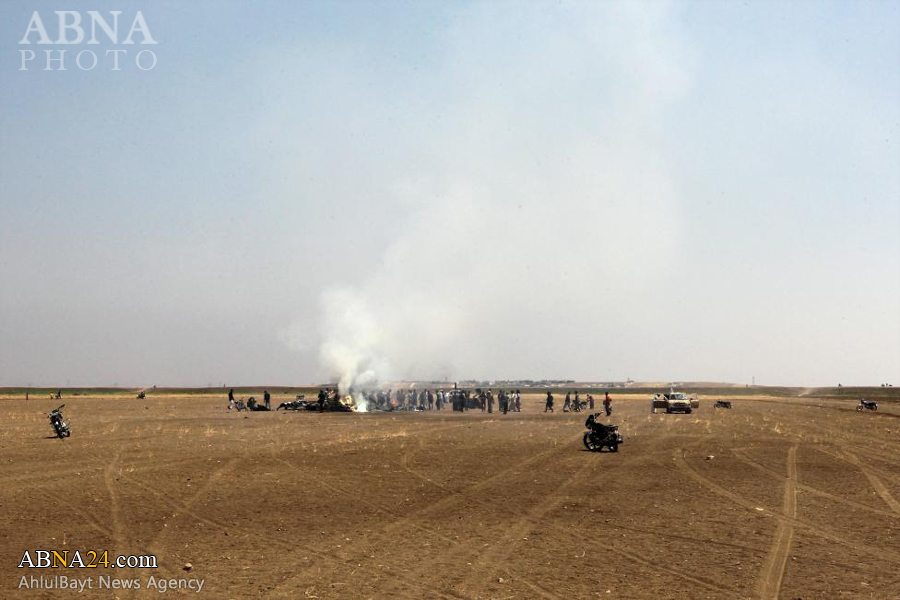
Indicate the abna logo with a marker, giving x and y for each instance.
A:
(70, 31)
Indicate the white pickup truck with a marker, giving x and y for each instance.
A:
(675, 402)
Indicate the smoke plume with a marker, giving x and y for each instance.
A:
(539, 189)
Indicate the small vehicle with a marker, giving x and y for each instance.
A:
(60, 426)
(600, 434)
(675, 402)
(866, 405)
(723, 403)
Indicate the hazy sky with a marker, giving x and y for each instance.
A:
(695, 191)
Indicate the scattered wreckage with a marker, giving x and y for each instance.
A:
(298, 404)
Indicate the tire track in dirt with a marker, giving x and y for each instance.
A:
(531, 521)
(772, 574)
(684, 538)
(109, 480)
(739, 453)
(367, 437)
(382, 537)
(320, 553)
(89, 518)
(536, 523)
(621, 549)
(538, 588)
(877, 484)
(885, 450)
(881, 553)
(841, 455)
(186, 507)
(500, 551)
(44, 478)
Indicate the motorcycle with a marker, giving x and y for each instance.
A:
(599, 435)
(867, 405)
(723, 404)
(60, 426)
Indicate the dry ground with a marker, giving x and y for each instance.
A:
(777, 498)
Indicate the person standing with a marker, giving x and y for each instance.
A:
(322, 400)
(567, 404)
(591, 401)
(267, 398)
(490, 401)
(518, 401)
(548, 407)
(607, 404)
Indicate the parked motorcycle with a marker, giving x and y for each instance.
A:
(600, 434)
(866, 405)
(60, 426)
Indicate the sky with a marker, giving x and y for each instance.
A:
(302, 192)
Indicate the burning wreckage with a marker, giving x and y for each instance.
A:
(380, 400)
(327, 401)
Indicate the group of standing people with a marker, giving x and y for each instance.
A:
(507, 401)
(576, 404)
(459, 400)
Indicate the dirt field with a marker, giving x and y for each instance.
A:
(777, 498)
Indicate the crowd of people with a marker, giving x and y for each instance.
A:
(438, 399)
(458, 400)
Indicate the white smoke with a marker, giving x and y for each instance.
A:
(352, 343)
(543, 211)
